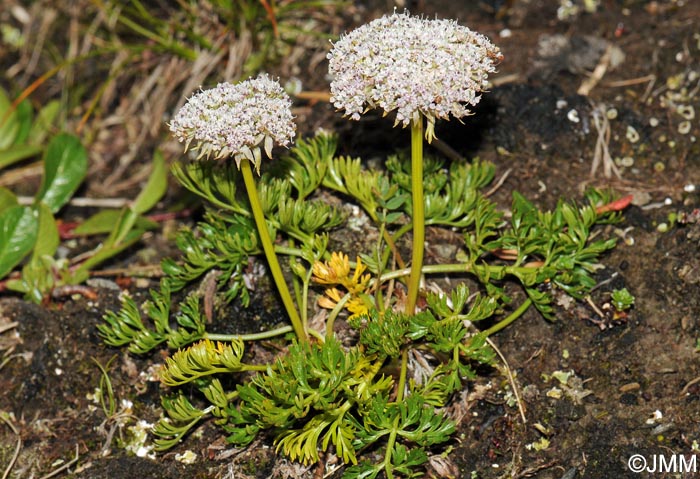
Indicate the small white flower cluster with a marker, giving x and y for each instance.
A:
(235, 120)
(413, 65)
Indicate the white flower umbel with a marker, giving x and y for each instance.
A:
(236, 120)
(418, 68)
(413, 66)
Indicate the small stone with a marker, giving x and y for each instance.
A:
(629, 387)
(573, 116)
(684, 127)
(686, 111)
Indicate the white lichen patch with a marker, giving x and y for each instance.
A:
(187, 457)
(136, 438)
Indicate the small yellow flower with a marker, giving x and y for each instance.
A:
(359, 282)
(357, 307)
(334, 271)
(337, 272)
(331, 298)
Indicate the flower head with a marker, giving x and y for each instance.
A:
(236, 120)
(413, 65)
(337, 271)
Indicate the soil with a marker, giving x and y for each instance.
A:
(633, 384)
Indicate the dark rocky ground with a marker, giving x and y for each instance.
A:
(633, 387)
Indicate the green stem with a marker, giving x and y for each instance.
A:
(250, 337)
(378, 300)
(418, 219)
(305, 297)
(458, 268)
(334, 314)
(402, 376)
(269, 249)
(398, 234)
(511, 317)
(388, 468)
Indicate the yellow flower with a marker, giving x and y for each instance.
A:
(331, 298)
(337, 272)
(357, 307)
(334, 271)
(359, 282)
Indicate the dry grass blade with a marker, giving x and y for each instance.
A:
(18, 447)
(601, 153)
(59, 470)
(135, 62)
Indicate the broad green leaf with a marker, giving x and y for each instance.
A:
(65, 166)
(7, 199)
(18, 231)
(9, 126)
(16, 153)
(103, 222)
(43, 123)
(24, 122)
(155, 188)
(47, 238)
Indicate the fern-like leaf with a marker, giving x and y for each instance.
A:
(203, 359)
(182, 417)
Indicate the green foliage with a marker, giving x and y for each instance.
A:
(553, 246)
(202, 359)
(220, 243)
(621, 299)
(33, 229)
(18, 232)
(451, 196)
(65, 167)
(126, 327)
(21, 136)
(378, 397)
(27, 229)
(182, 417)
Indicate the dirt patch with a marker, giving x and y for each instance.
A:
(624, 387)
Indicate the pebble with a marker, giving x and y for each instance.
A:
(625, 388)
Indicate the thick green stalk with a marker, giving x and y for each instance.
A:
(418, 218)
(269, 249)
